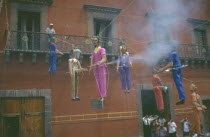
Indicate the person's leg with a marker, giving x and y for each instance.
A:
(128, 78)
(197, 122)
(159, 98)
(102, 81)
(122, 78)
(73, 85)
(76, 84)
(177, 76)
(96, 74)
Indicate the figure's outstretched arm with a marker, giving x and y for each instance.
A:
(103, 60)
(91, 64)
(58, 51)
(170, 64)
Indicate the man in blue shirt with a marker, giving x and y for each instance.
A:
(174, 62)
(53, 57)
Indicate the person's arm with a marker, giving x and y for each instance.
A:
(57, 51)
(194, 101)
(91, 63)
(78, 63)
(118, 64)
(47, 30)
(182, 121)
(129, 60)
(70, 66)
(103, 60)
(169, 65)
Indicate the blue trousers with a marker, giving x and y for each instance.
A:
(53, 58)
(177, 76)
(125, 77)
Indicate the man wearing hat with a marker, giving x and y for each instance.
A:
(50, 30)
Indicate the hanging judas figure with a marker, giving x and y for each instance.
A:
(123, 66)
(98, 60)
(197, 108)
(74, 69)
(175, 63)
(53, 56)
(157, 87)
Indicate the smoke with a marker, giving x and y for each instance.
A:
(163, 21)
(153, 53)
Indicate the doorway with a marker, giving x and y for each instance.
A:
(22, 117)
(146, 104)
(206, 117)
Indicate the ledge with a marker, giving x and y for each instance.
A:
(198, 21)
(101, 9)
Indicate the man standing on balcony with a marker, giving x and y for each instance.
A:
(175, 63)
(98, 60)
(50, 30)
(53, 57)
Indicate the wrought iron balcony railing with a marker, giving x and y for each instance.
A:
(45, 2)
(38, 42)
(195, 52)
(186, 51)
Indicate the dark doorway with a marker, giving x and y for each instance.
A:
(207, 116)
(11, 126)
(149, 106)
(28, 26)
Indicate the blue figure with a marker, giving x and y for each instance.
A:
(123, 66)
(174, 62)
(53, 57)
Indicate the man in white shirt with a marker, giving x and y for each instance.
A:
(50, 30)
(185, 127)
(147, 125)
(172, 128)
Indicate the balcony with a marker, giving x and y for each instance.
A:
(44, 2)
(37, 43)
(194, 52)
(193, 55)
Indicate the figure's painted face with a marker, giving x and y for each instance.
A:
(124, 50)
(193, 87)
(95, 41)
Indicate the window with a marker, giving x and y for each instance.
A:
(28, 23)
(102, 28)
(200, 37)
(102, 22)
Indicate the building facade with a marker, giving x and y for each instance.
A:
(33, 104)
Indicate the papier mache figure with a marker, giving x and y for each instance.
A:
(53, 56)
(197, 108)
(123, 66)
(98, 63)
(157, 87)
(175, 63)
(74, 69)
